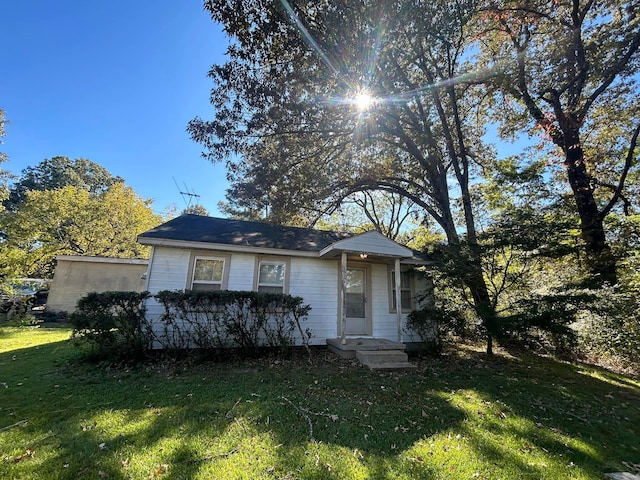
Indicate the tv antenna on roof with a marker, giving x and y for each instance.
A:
(187, 195)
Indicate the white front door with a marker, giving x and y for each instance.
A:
(356, 301)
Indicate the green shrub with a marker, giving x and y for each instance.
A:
(230, 319)
(113, 323)
(435, 325)
(609, 332)
(543, 322)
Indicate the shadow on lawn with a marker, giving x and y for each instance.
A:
(591, 420)
(292, 417)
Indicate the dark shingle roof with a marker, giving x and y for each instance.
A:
(197, 228)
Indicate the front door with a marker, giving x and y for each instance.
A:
(356, 301)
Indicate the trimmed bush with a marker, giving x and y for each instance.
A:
(230, 319)
(113, 323)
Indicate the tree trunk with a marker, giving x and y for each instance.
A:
(601, 262)
(473, 278)
(482, 303)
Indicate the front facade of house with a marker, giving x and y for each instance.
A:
(349, 281)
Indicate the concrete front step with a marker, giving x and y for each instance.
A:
(348, 347)
(384, 359)
(393, 367)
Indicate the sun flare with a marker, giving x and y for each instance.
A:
(363, 101)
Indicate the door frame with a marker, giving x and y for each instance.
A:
(368, 303)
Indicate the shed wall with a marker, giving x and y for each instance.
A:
(73, 279)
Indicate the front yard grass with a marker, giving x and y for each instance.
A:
(462, 416)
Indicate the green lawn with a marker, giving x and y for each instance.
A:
(463, 416)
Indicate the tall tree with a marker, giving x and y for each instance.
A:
(321, 101)
(4, 175)
(71, 221)
(570, 68)
(58, 172)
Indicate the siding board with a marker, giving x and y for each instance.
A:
(313, 279)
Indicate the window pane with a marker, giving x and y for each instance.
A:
(270, 289)
(405, 290)
(271, 274)
(355, 281)
(405, 299)
(208, 270)
(205, 286)
(355, 305)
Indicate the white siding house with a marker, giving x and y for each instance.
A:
(348, 280)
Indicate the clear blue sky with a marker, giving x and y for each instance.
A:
(115, 82)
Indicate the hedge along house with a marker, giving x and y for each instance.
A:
(349, 280)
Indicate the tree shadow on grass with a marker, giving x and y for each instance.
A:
(585, 415)
(330, 420)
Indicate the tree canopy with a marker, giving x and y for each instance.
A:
(72, 221)
(59, 172)
(288, 103)
(569, 69)
(4, 175)
(321, 101)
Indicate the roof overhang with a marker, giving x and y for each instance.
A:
(90, 259)
(222, 247)
(369, 244)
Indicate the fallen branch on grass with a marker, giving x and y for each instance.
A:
(305, 413)
(14, 425)
(228, 414)
(210, 457)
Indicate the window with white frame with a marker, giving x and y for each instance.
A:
(208, 273)
(271, 276)
(406, 290)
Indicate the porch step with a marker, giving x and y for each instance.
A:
(351, 345)
(384, 360)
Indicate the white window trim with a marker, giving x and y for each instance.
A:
(268, 260)
(392, 290)
(196, 255)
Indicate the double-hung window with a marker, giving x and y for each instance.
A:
(406, 290)
(271, 276)
(208, 273)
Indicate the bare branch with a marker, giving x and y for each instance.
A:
(625, 170)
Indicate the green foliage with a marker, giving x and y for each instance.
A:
(112, 323)
(115, 324)
(72, 221)
(59, 172)
(543, 322)
(624, 232)
(435, 325)
(4, 175)
(609, 331)
(579, 95)
(230, 319)
(196, 209)
(286, 110)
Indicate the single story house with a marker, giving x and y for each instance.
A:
(350, 281)
(77, 275)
